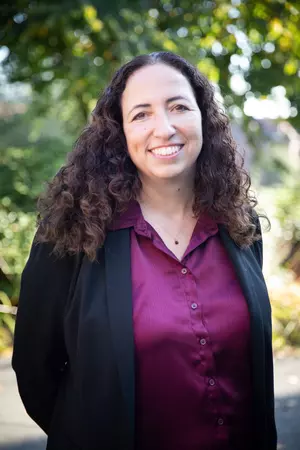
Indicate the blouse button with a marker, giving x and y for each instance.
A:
(202, 341)
(194, 306)
(184, 271)
(211, 381)
(220, 421)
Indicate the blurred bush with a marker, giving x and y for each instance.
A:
(32, 148)
(7, 322)
(288, 214)
(286, 316)
(282, 255)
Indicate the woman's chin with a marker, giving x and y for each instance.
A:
(168, 173)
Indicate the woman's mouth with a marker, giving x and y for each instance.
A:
(167, 152)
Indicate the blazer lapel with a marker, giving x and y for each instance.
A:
(252, 283)
(119, 302)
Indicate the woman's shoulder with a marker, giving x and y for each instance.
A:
(44, 256)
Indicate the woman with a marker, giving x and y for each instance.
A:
(144, 320)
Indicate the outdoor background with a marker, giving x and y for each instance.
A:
(55, 58)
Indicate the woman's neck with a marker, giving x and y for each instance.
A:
(168, 198)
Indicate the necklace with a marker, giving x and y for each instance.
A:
(175, 239)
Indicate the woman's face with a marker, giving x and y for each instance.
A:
(162, 123)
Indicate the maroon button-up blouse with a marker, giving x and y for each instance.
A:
(192, 341)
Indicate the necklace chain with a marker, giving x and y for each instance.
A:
(175, 239)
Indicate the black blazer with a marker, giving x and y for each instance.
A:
(74, 349)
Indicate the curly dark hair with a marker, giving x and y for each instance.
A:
(99, 179)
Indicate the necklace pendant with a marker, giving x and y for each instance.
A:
(176, 242)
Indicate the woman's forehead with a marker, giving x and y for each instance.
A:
(155, 82)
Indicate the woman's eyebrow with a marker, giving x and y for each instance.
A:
(141, 105)
(147, 105)
(177, 97)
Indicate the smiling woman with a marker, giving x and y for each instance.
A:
(154, 327)
(164, 127)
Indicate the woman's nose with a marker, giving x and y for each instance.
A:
(163, 127)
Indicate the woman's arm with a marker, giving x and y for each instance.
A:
(39, 355)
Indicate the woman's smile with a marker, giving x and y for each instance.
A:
(166, 152)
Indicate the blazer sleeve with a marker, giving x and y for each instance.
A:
(39, 355)
(258, 245)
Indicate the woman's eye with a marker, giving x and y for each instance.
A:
(140, 115)
(181, 108)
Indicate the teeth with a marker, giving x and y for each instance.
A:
(166, 150)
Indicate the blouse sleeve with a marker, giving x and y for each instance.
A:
(39, 354)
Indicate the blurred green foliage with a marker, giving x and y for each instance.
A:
(67, 51)
(286, 316)
(288, 213)
(76, 46)
(32, 149)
